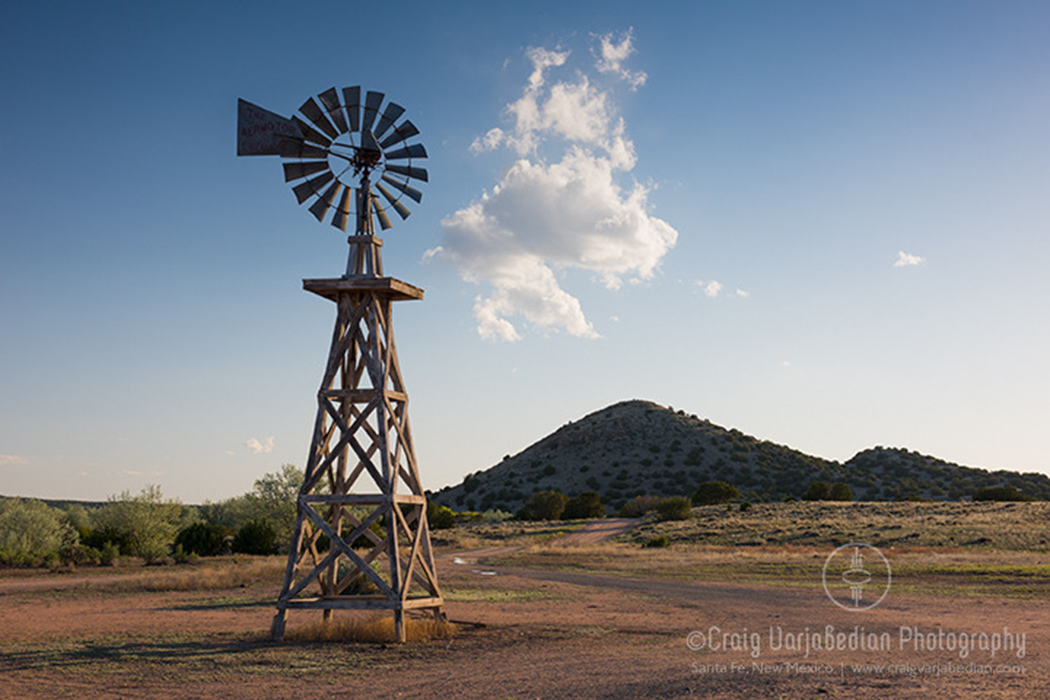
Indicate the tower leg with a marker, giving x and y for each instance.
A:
(277, 627)
(399, 625)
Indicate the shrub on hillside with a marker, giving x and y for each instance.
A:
(1001, 493)
(638, 507)
(587, 505)
(713, 492)
(544, 505)
(673, 508)
(823, 491)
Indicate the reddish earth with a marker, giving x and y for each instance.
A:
(539, 634)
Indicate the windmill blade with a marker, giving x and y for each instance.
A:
(319, 207)
(400, 208)
(416, 150)
(406, 130)
(390, 115)
(314, 114)
(297, 148)
(410, 191)
(384, 220)
(372, 102)
(304, 190)
(294, 171)
(311, 134)
(407, 171)
(342, 212)
(330, 99)
(352, 100)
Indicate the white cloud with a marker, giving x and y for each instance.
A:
(710, 289)
(256, 447)
(10, 460)
(547, 215)
(907, 260)
(742, 294)
(612, 55)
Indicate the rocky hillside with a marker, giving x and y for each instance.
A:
(639, 447)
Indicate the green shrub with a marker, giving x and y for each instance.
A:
(714, 492)
(659, 541)
(673, 508)
(32, 533)
(638, 507)
(587, 505)
(256, 537)
(745, 506)
(202, 539)
(1001, 493)
(142, 526)
(544, 505)
(440, 517)
(840, 492)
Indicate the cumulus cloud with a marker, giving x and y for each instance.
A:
(12, 460)
(256, 447)
(562, 204)
(907, 260)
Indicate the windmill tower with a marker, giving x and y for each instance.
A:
(361, 539)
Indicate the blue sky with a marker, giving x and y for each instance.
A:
(822, 223)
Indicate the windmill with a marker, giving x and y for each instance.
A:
(361, 538)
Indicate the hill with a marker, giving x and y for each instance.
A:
(638, 447)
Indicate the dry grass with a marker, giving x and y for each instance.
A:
(1013, 526)
(372, 630)
(954, 571)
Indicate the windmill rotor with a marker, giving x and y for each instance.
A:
(336, 149)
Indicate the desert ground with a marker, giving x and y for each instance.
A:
(577, 611)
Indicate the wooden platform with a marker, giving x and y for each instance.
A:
(390, 287)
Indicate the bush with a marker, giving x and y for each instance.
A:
(143, 526)
(202, 539)
(1001, 493)
(745, 506)
(638, 507)
(714, 492)
(587, 505)
(823, 491)
(545, 505)
(840, 492)
(817, 491)
(673, 508)
(440, 517)
(659, 541)
(256, 537)
(32, 533)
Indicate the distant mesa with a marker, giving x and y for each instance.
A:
(639, 447)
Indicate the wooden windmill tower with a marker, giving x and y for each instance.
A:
(361, 539)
